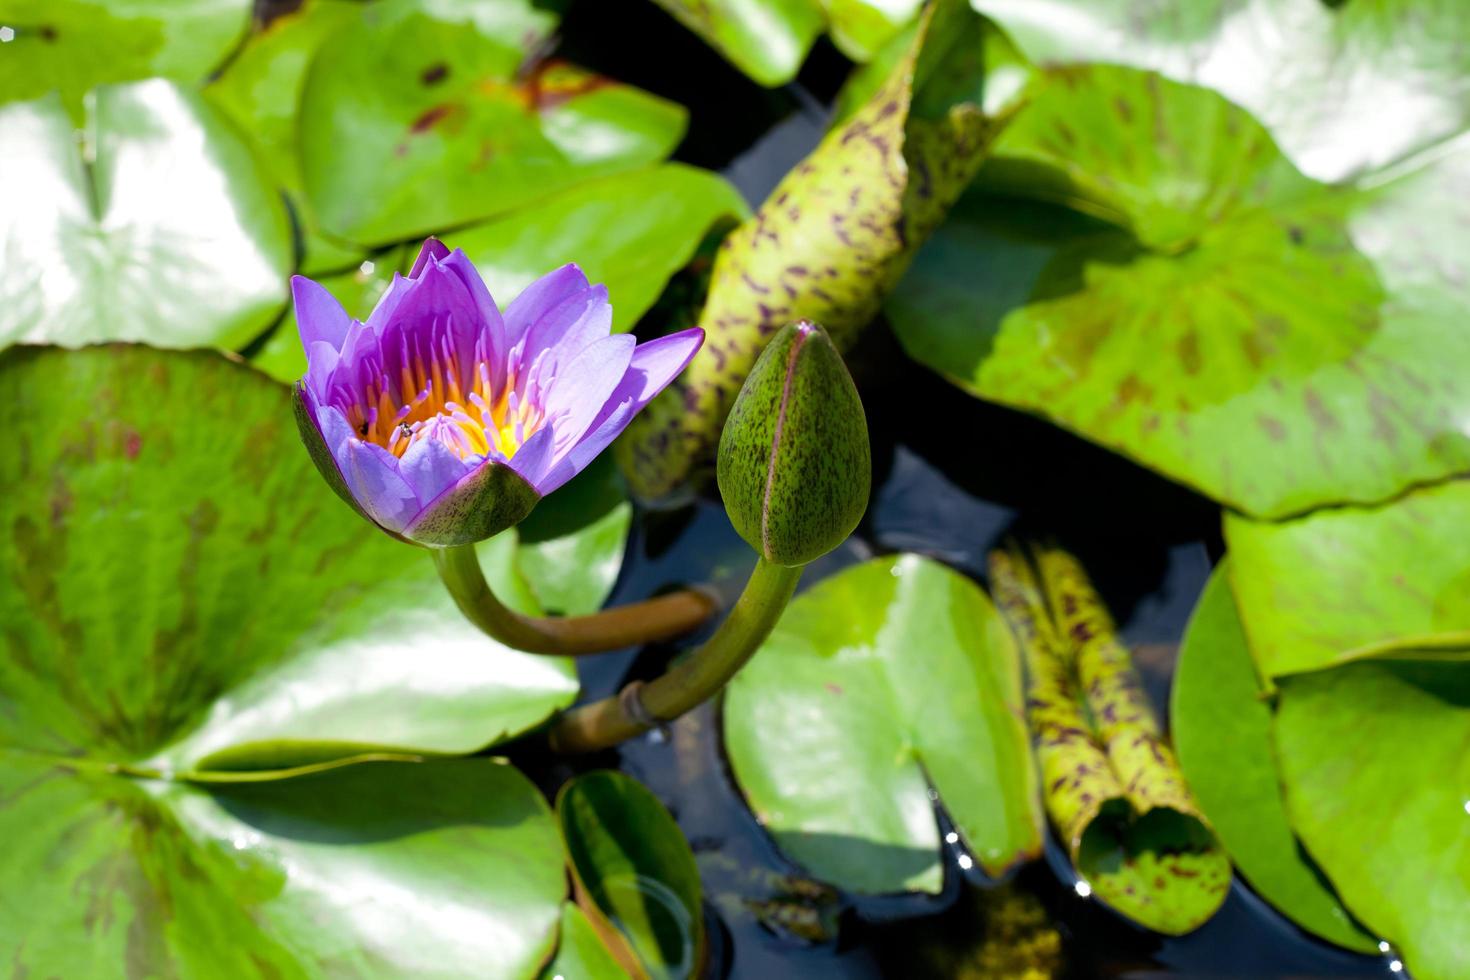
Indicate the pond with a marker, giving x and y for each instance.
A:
(735, 488)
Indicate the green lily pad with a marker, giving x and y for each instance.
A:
(260, 90)
(579, 953)
(766, 39)
(769, 39)
(1350, 582)
(1170, 287)
(840, 725)
(1222, 733)
(1377, 777)
(634, 874)
(166, 230)
(630, 231)
(422, 116)
(1112, 787)
(449, 868)
(183, 590)
(70, 46)
(1345, 88)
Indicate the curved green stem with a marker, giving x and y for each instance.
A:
(660, 618)
(692, 681)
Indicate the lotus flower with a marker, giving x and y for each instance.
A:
(444, 420)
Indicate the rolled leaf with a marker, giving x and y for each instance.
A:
(1112, 786)
(834, 236)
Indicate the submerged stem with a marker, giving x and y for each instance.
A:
(689, 683)
(660, 618)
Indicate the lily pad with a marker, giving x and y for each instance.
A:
(422, 116)
(70, 46)
(579, 953)
(1344, 88)
(260, 90)
(631, 232)
(1350, 582)
(1112, 787)
(769, 39)
(449, 868)
(182, 589)
(634, 874)
(1172, 288)
(1222, 732)
(1373, 758)
(766, 39)
(878, 683)
(163, 228)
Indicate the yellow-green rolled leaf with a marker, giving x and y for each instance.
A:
(833, 237)
(1111, 784)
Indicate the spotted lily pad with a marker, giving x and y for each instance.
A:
(634, 875)
(162, 226)
(260, 90)
(70, 46)
(840, 725)
(1345, 583)
(1141, 265)
(1222, 730)
(183, 591)
(423, 115)
(1112, 786)
(1377, 783)
(447, 868)
(1344, 88)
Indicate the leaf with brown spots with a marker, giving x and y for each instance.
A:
(1168, 285)
(833, 237)
(385, 157)
(1112, 786)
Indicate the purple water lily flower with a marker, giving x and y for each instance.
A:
(443, 419)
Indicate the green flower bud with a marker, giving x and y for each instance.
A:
(794, 462)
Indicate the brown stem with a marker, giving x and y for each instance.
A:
(660, 618)
(691, 681)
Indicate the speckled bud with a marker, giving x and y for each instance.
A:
(794, 462)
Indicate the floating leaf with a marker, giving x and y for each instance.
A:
(631, 232)
(877, 683)
(834, 236)
(1377, 781)
(421, 116)
(1350, 582)
(580, 955)
(182, 587)
(634, 874)
(1274, 343)
(168, 230)
(1345, 88)
(449, 868)
(766, 39)
(1222, 731)
(1112, 787)
(769, 39)
(261, 91)
(70, 46)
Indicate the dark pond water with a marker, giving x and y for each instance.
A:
(952, 478)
